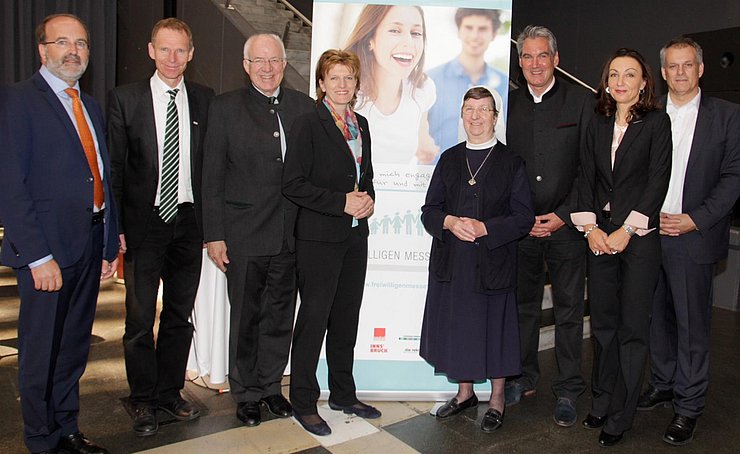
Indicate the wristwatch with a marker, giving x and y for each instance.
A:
(628, 228)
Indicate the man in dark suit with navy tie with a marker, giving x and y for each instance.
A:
(60, 230)
(155, 130)
(694, 227)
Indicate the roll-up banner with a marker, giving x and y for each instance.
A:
(418, 59)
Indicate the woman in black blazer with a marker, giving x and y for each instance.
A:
(329, 175)
(625, 169)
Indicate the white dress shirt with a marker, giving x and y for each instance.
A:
(160, 99)
(683, 125)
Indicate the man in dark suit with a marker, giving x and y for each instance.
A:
(547, 124)
(60, 226)
(248, 224)
(694, 227)
(155, 130)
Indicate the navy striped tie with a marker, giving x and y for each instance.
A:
(170, 162)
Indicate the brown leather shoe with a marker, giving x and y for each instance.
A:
(180, 409)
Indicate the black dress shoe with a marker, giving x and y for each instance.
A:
(320, 428)
(277, 405)
(76, 443)
(653, 398)
(607, 440)
(492, 421)
(680, 431)
(594, 422)
(180, 409)
(145, 421)
(362, 410)
(249, 413)
(452, 407)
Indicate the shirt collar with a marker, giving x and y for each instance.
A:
(481, 146)
(159, 88)
(542, 96)
(274, 95)
(57, 85)
(458, 70)
(693, 104)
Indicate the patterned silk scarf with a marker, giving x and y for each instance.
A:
(350, 129)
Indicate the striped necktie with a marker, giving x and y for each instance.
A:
(170, 162)
(88, 144)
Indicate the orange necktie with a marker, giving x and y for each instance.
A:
(88, 144)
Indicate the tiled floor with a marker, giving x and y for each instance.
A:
(405, 427)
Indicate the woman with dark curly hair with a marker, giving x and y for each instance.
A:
(625, 169)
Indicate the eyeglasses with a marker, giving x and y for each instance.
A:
(482, 111)
(264, 61)
(80, 44)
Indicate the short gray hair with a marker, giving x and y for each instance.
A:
(253, 38)
(682, 41)
(537, 31)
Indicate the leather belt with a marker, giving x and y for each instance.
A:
(180, 206)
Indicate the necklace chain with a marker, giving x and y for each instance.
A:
(472, 181)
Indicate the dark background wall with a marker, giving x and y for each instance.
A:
(304, 6)
(135, 20)
(217, 61)
(587, 30)
(19, 52)
(591, 30)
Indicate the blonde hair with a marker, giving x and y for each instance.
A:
(172, 23)
(329, 59)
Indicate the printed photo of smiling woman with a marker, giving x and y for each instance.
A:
(395, 94)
